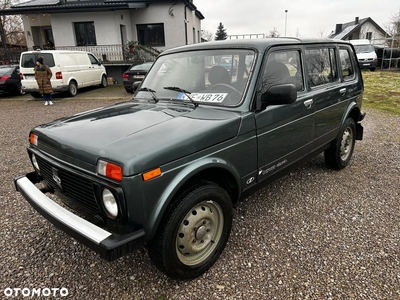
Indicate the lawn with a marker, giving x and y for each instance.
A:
(382, 90)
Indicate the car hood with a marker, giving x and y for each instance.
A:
(138, 136)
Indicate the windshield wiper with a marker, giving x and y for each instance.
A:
(152, 92)
(187, 93)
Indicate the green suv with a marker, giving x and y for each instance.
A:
(166, 168)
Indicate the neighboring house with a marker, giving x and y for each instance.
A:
(360, 29)
(104, 27)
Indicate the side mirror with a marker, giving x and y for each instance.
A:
(279, 94)
(135, 85)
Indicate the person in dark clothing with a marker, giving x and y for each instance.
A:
(43, 75)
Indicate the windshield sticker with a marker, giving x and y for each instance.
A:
(204, 97)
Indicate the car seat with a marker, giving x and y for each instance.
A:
(219, 74)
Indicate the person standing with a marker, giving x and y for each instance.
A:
(43, 75)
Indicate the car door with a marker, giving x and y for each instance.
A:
(326, 90)
(96, 69)
(284, 132)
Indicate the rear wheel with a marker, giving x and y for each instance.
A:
(194, 233)
(72, 89)
(18, 90)
(339, 154)
(103, 83)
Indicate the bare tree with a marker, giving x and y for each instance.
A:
(206, 35)
(11, 26)
(274, 33)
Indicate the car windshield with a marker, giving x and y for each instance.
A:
(214, 77)
(144, 66)
(5, 70)
(364, 48)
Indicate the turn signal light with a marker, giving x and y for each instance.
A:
(151, 174)
(109, 170)
(33, 139)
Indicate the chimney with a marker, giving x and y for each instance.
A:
(338, 28)
(356, 21)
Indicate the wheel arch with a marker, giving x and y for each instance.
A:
(211, 170)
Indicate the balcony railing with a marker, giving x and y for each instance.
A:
(108, 54)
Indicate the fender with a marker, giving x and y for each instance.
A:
(180, 179)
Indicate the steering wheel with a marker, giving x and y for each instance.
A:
(227, 86)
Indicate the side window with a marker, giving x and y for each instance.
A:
(321, 66)
(346, 64)
(283, 67)
(93, 60)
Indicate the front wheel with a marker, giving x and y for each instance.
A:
(195, 232)
(103, 83)
(340, 152)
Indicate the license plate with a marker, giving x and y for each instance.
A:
(29, 77)
(138, 76)
(366, 64)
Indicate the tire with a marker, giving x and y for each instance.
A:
(36, 95)
(72, 89)
(339, 154)
(103, 83)
(194, 232)
(129, 91)
(373, 69)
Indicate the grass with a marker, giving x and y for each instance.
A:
(382, 90)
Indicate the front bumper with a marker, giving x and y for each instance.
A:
(109, 245)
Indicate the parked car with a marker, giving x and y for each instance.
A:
(71, 70)
(10, 81)
(136, 72)
(366, 54)
(167, 167)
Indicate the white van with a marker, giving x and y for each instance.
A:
(71, 70)
(366, 54)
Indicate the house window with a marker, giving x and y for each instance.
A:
(85, 34)
(151, 34)
(368, 35)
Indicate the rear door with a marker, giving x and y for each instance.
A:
(284, 132)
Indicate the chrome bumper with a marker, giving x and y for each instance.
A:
(110, 246)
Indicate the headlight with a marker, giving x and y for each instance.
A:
(35, 163)
(110, 204)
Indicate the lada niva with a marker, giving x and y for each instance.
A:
(166, 168)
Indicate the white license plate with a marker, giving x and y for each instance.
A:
(138, 76)
(29, 77)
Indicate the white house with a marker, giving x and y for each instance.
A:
(104, 27)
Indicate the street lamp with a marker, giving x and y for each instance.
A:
(285, 20)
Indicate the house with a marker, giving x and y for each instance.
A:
(104, 27)
(360, 29)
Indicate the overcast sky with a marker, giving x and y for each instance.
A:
(305, 18)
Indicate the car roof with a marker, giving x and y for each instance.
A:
(259, 44)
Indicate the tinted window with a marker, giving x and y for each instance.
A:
(85, 34)
(346, 64)
(29, 59)
(5, 70)
(321, 66)
(145, 66)
(151, 34)
(283, 67)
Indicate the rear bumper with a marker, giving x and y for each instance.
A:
(57, 89)
(109, 245)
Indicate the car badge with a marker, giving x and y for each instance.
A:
(56, 177)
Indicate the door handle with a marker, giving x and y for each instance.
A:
(308, 103)
(343, 90)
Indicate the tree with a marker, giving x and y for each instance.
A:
(11, 27)
(394, 30)
(221, 33)
(274, 33)
(206, 35)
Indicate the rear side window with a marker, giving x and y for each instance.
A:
(346, 64)
(321, 66)
(29, 59)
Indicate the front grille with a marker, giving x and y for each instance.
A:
(75, 187)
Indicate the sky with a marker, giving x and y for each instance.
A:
(304, 18)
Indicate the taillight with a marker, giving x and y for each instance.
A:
(4, 78)
(21, 76)
(125, 75)
(59, 75)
